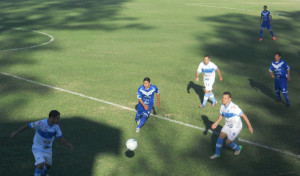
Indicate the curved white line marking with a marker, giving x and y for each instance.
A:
(33, 46)
(157, 116)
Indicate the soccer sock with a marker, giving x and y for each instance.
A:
(45, 170)
(137, 117)
(205, 99)
(219, 145)
(234, 146)
(272, 33)
(278, 95)
(261, 34)
(286, 98)
(37, 172)
(143, 120)
(212, 96)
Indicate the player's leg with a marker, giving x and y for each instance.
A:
(234, 132)
(269, 27)
(48, 162)
(139, 112)
(208, 88)
(283, 88)
(211, 94)
(219, 143)
(277, 89)
(39, 162)
(144, 118)
(263, 25)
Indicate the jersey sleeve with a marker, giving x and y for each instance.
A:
(156, 90)
(199, 70)
(139, 94)
(271, 69)
(35, 125)
(286, 66)
(215, 67)
(58, 132)
(237, 111)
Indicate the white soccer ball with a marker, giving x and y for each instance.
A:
(131, 144)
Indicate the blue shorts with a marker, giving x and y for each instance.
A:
(142, 111)
(281, 85)
(266, 24)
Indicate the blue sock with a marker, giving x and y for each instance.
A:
(278, 95)
(205, 99)
(234, 146)
(137, 117)
(212, 96)
(286, 98)
(143, 120)
(272, 33)
(219, 146)
(37, 172)
(261, 34)
(45, 170)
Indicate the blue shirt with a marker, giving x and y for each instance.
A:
(266, 15)
(280, 69)
(147, 95)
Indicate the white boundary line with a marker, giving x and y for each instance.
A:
(33, 46)
(230, 8)
(157, 116)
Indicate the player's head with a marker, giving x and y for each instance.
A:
(226, 98)
(277, 56)
(206, 59)
(265, 7)
(146, 82)
(54, 115)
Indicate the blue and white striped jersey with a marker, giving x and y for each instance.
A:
(266, 15)
(280, 68)
(231, 113)
(147, 95)
(208, 70)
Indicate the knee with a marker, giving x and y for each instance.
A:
(228, 142)
(40, 166)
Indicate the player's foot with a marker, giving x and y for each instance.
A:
(260, 39)
(274, 38)
(214, 156)
(278, 100)
(201, 106)
(214, 104)
(237, 152)
(137, 130)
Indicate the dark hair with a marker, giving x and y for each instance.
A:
(53, 113)
(227, 93)
(279, 54)
(265, 6)
(147, 79)
(206, 55)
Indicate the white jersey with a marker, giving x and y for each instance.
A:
(232, 115)
(44, 134)
(208, 70)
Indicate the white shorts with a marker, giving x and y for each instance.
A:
(208, 83)
(42, 157)
(232, 131)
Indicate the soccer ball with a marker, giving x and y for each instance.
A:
(131, 144)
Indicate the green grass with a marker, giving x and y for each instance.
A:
(104, 49)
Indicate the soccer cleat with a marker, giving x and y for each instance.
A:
(260, 39)
(137, 130)
(201, 106)
(214, 104)
(237, 152)
(274, 38)
(214, 156)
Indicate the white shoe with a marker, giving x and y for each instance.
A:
(137, 130)
(214, 156)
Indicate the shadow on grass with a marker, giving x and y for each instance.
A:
(197, 88)
(90, 140)
(257, 86)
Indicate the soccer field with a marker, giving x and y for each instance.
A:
(87, 59)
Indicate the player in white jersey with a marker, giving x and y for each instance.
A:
(208, 68)
(45, 132)
(232, 127)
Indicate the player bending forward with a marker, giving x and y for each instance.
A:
(208, 68)
(145, 96)
(45, 132)
(232, 127)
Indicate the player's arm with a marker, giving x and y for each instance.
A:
(197, 76)
(158, 99)
(214, 126)
(261, 17)
(143, 104)
(13, 134)
(271, 72)
(248, 122)
(62, 139)
(288, 75)
(219, 73)
(270, 19)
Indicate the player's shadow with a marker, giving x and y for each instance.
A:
(262, 87)
(197, 88)
(90, 141)
(153, 109)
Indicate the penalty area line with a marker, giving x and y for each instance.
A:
(157, 116)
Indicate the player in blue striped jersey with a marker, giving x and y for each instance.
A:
(280, 71)
(265, 21)
(145, 96)
(208, 68)
(45, 132)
